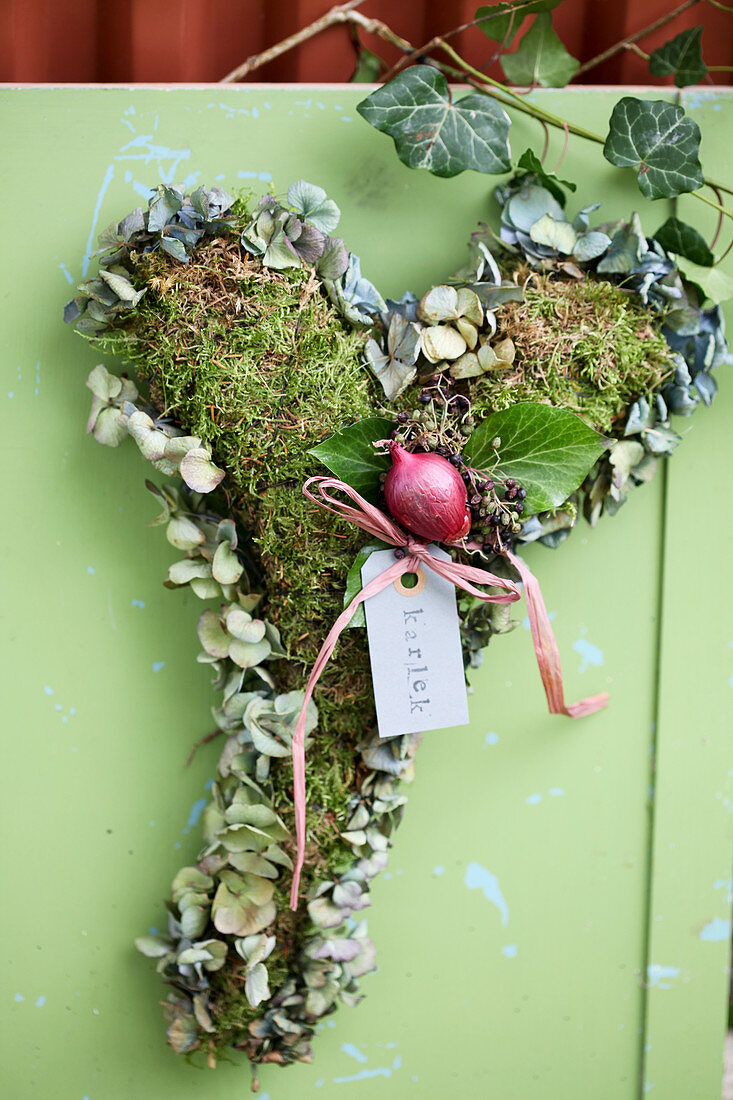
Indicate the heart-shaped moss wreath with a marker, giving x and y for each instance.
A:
(544, 373)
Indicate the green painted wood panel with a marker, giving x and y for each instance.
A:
(512, 925)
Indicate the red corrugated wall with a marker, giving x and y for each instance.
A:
(112, 41)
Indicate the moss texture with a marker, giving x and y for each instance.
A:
(257, 363)
(586, 346)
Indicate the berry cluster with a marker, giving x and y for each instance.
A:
(441, 422)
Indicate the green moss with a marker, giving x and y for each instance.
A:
(586, 346)
(258, 364)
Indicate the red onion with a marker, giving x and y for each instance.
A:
(426, 494)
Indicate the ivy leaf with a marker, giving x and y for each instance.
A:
(549, 450)
(354, 583)
(540, 57)
(681, 58)
(431, 131)
(500, 22)
(660, 141)
(714, 283)
(530, 162)
(350, 456)
(683, 240)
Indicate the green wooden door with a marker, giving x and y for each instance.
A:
(553, 923)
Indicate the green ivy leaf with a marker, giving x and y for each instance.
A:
(714, 283)
(548, 450)
(369, 68)
(353, 580)
(681, 58)
(660, 141)
(683, 240)
(431, 131)
(540, 57)
(530, 162)
(350, 456)
(500, 22)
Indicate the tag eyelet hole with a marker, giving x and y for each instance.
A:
(419, 578)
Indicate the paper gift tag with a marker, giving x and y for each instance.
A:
(415, 650)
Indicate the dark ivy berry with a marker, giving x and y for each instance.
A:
(456, 460)
(510, 494)
(475, 499)
(393, 433)
(521, 493)
(402, 417)
(466, 478)
(519, 507)
(399, 553)
(496, 519)
(424, 398)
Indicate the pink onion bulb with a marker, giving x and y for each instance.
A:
(427, 496)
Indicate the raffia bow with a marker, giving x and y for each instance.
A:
(376, 523)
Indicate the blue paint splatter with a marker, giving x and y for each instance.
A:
(40, 1001)
(138, 603)
(655, 973)
(266, 177)
(551, 615)
(510, 950)
(533, 799)
(108, 176)
(208, 784)
(354, 1052)
(590, 654)
(478, 878)
(491, 738)
(365, 1074)
(67, 274)
(90, 569)
(18, 997)
(148, 152)
(157, 665)
(438, 870)
(47, 689)
(716, 930)
(196, 810)
(556, 792)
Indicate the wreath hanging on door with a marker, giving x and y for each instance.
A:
(530, 391)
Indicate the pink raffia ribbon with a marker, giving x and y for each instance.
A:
(376, 523)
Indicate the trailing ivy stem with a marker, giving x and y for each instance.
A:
(718, 186)
(513, 99)
(719, 226)
(516, 100)
(709, 202)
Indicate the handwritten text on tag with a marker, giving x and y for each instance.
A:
(415, 650)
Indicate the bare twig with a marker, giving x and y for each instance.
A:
(339, 14)
(202, 741)
(633, 48)
(625, 43)
(564, 149)
(719, 226)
